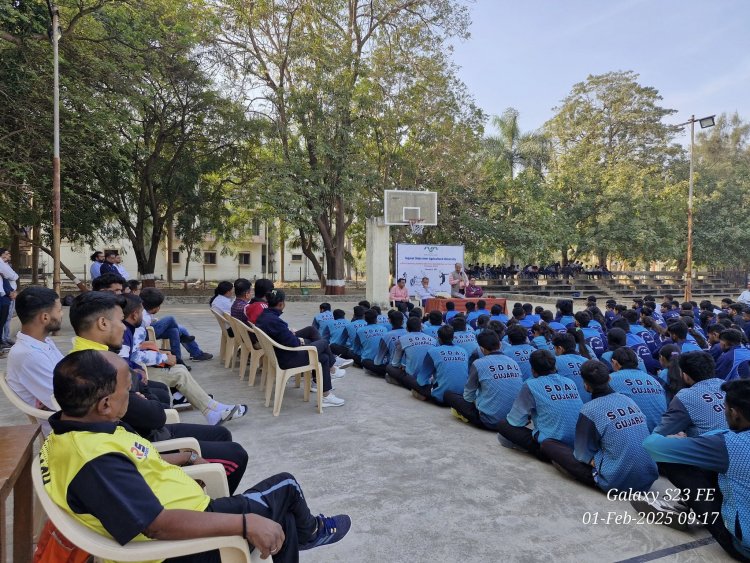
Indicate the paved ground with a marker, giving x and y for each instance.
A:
(420, 485)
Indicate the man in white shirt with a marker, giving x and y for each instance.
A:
(744, 297)
(34, 355)
(120, 268)
(425, 292)
(11, 278)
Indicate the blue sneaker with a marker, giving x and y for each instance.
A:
(330, 530)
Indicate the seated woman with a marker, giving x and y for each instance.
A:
(271, 323)
(222, 301)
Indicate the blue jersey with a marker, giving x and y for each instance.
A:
(367, 341)
(351, 331)
(494, 383)
(335, 331)
(645, 390)
(521, 354)
(502, 318)
(557, 327)
(689, 345)
(595, 340)
(387, 346)
(430, 329)
(541, 343)
(610, 431)
(636, 343)
(449, 367)
(383, 320)
(449, 315)
(647, 336)
(467, 340)
(569, 365)
(410, 351)
(552, 403)
(566, 320)
(695, 410)
(320, 317)
(607, 359)
(726, 453)
(734, 364)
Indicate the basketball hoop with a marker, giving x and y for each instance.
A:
(417, 226)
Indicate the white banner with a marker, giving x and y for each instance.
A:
(415, 261)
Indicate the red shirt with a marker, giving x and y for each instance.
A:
(254, 309)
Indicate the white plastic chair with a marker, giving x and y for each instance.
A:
(233, 549)
(236, 342)
(35, 415)
(227, 342)
(277, 377)
(249, 350)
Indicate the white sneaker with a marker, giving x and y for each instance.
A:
(332, 400)
(314, 388)
(342, 363)
(338, 374)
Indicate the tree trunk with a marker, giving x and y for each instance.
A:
(170, 248)
(601, 256)
(306, 245)
(63, 267)
(35, 240)
(564, 256)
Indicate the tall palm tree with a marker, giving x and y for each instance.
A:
(514, 150)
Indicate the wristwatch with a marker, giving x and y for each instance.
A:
(193, 457)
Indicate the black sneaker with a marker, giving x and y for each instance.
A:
(330, 530)
(203, 357)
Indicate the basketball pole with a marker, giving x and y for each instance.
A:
(377, 260)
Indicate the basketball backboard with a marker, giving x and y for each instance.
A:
(405, 206)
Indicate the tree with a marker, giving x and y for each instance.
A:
(610, 169)
(305, 67)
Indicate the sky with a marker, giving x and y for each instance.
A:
(528, 54)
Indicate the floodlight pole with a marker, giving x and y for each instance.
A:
(56, 203)
(709, 122)
(689, 269)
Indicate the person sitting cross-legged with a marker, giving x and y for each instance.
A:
(698, 407)
(325, 314)
(548, 400)
(446, 368)
(335, 330)
(367, 339)
(734, 361)
(711, 473)
(407, 362)
(608, 451)
(277, 329)
(467, 339)
(644, 389)
(115, 483)
(97, 319)
(434, 322)
(358, 320)
(494, 383)
(569, 361)
(518, 348)
(386, 345)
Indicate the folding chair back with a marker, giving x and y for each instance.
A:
(227, 342)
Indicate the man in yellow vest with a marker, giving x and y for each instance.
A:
(114, 482)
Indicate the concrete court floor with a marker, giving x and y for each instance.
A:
(419, 485)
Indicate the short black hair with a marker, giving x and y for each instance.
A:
(470, 306)
(436, 318)
(445, 334)
(81, 379)
(133, 285)
(543, 362)
(564, 341)
(450, 306)
(262, 286)
(583, 318)
(631, 315)
(731, 336)
(678, 329)
(596, 374)
(242, 286)
(109, 253)
(737, 396)
(358, 312)
(565, 306)
(325, 307)
(481, 304)
(33, 300)
(339, 314)
(458, 323)
(416, 312)
(130, 304)
(496, 310)
(152, 298)
(414, 324)
(616, 337)
(518, 313)
(364, 303)
(489, 340)
(626, 357)
(396, 318)
(517, 335)
(89, 306)
(95, 254)
(106, 280)
(697, 365)
(371, 316)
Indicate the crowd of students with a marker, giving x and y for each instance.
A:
(602, 395)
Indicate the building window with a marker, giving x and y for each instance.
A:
(175, 257)
(255, 226)
(244, 258)
(296, 258)
(209, 258)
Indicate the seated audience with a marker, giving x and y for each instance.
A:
(645, 390)
(425, 292)
(519, 349)
(608, 451)
(493, 384)
(367, 338)
(161, 501)
(257, 304)
(386, 345)
(399, 296)
(734, 362)
(434, 323)
(277, 329)
(241, 296)
(569, 362)
(446, 368)
(223, 298)
(407, 364)
(548, 400)
(323, 315)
